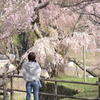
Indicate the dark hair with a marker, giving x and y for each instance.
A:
(32, 56)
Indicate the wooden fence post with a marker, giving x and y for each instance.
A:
(11, 86)
(5, 85)
(98, 88)
(55, 90)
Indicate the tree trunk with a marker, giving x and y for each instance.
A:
(80, 65)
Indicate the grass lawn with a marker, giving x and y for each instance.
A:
(86, 91)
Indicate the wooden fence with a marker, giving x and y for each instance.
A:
(6, 77)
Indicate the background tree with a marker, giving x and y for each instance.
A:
(58, 19)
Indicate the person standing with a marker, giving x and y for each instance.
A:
(31, 73)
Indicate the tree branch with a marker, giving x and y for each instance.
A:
(42, 5)
(80, 65)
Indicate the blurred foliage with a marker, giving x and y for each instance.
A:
(24, 41)
(65, 3)
(16, 39)
(49, 58)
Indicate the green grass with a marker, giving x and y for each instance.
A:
(86, 91)
(20, 96)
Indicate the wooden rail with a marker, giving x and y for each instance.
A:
(9, 78)
(55, 89)
(5, 79)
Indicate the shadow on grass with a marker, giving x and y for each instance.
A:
(61, 90)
